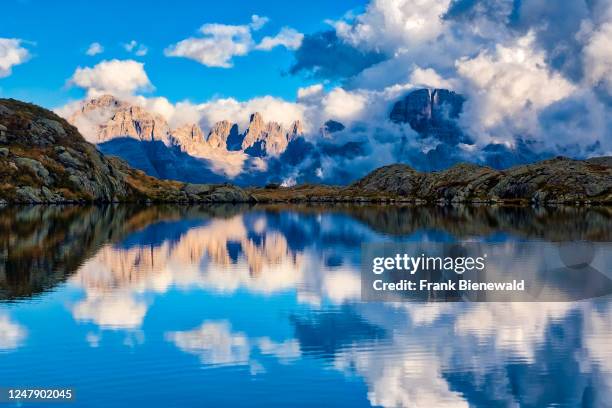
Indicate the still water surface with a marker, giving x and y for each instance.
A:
(260, 306)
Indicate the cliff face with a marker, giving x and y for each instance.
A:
(45, 159)
(268, 138)
(106, 118)
(431, 113)
(147, 142)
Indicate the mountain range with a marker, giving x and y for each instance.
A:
(44, 159)
(146, 141)
(266, 151)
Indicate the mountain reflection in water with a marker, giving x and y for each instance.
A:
(123, 298)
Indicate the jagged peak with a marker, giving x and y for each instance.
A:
(331, 126)
(296, 127)
(222, 124)
(256, 117)
(105, 98)
(191, 129)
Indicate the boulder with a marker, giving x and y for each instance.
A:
(27, 194)
(68, 160)
(35, 167)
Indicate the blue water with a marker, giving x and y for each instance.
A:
(260, 306)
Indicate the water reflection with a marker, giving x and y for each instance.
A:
(271, 289)
(11, 333)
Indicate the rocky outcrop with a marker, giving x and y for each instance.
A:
(135, 122)
(550, 182)
(555, 181)
(268, 138)
(331, 126)
(188, 136)
(44, 159)
(431, 113)
(220, 133)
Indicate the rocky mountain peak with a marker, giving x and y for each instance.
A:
(256, 119)
(268, 138)
(136, 122)
(103, 102)
(431, 112)
(219, 134)
(331, 126)
(104, 118)
(188, 134)
(296, 129)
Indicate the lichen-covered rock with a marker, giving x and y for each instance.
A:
(229, 194)
(35, 167)
(68, 160)
(559, 180)
(27, 194)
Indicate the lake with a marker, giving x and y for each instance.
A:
(232, 305)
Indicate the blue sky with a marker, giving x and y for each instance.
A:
(57, 34)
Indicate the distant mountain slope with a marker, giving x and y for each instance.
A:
(45, 159)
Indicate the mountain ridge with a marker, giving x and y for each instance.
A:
(267, 151)
(184, 153)
(44, 159)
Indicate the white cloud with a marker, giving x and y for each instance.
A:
(598, 57)
(114, 312)
(271, 108)
(12, 334)
(391, 25)
(95, 48)
(339, 104)
(257, 22)
(287, 37)
(309, 91)
(429, 78)
(11, 53)
(509, 87)
(214, 342)
(138, 49)
(219, 44)
(118, 77)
